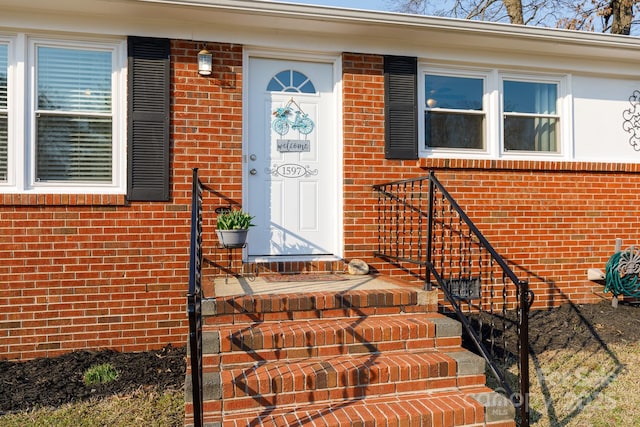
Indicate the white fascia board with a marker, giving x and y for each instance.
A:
(371, 18)
(280, 25)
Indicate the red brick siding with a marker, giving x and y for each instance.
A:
(364, 162)
(207, 133)
(97, 276)
(552, 225)
(86, 271)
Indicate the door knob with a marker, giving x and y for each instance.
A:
(253, 172)
(253, 157)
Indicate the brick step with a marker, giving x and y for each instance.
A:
(292, 306)
(349, 357)
(345, 378)
(330, 337)
(424, 409)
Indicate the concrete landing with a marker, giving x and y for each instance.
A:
(255, 285)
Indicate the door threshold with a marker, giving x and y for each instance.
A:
(291, 258)
(293, 264)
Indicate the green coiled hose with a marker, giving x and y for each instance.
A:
(621, 281)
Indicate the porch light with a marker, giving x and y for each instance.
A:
(205, 62)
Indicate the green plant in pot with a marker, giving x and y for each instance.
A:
(232, 227)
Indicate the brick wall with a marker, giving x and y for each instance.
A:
(207, 132)
(551, 221)
(91, 276)
(83, 271)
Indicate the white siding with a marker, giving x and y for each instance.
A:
(598, 107)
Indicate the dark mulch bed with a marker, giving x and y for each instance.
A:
(576, 326)
(570, 326)
(57, 380)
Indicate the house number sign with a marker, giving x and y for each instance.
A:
(291, 170)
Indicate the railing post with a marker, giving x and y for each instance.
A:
(525, 304)
(428, 285)
(194, 301)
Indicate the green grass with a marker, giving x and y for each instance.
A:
(141, 408)
(595, 386)
(100, 374)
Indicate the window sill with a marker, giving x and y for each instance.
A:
(528, 165)
(63, 199)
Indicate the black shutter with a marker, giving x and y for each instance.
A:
(148, 119)
(401, 107)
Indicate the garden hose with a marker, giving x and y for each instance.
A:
(622, 273)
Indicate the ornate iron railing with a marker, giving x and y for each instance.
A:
(423, 230)
(194, 300)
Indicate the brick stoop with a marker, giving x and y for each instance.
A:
(370, 357)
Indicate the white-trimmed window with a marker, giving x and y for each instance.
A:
(70, 137)
(531, 119)
(491, 114)
(454, 111)
(4, 116)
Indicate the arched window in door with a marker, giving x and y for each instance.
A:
(291, 81)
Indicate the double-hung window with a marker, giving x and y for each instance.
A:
(4, 124)
(70, 135)
(490, 114)
(73, 115)
(530, 116)
(454, 112)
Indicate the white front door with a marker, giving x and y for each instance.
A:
(292, 161)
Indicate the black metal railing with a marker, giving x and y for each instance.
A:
(194, 300)
(423, 230)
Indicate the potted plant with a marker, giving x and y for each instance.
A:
(232, 228)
